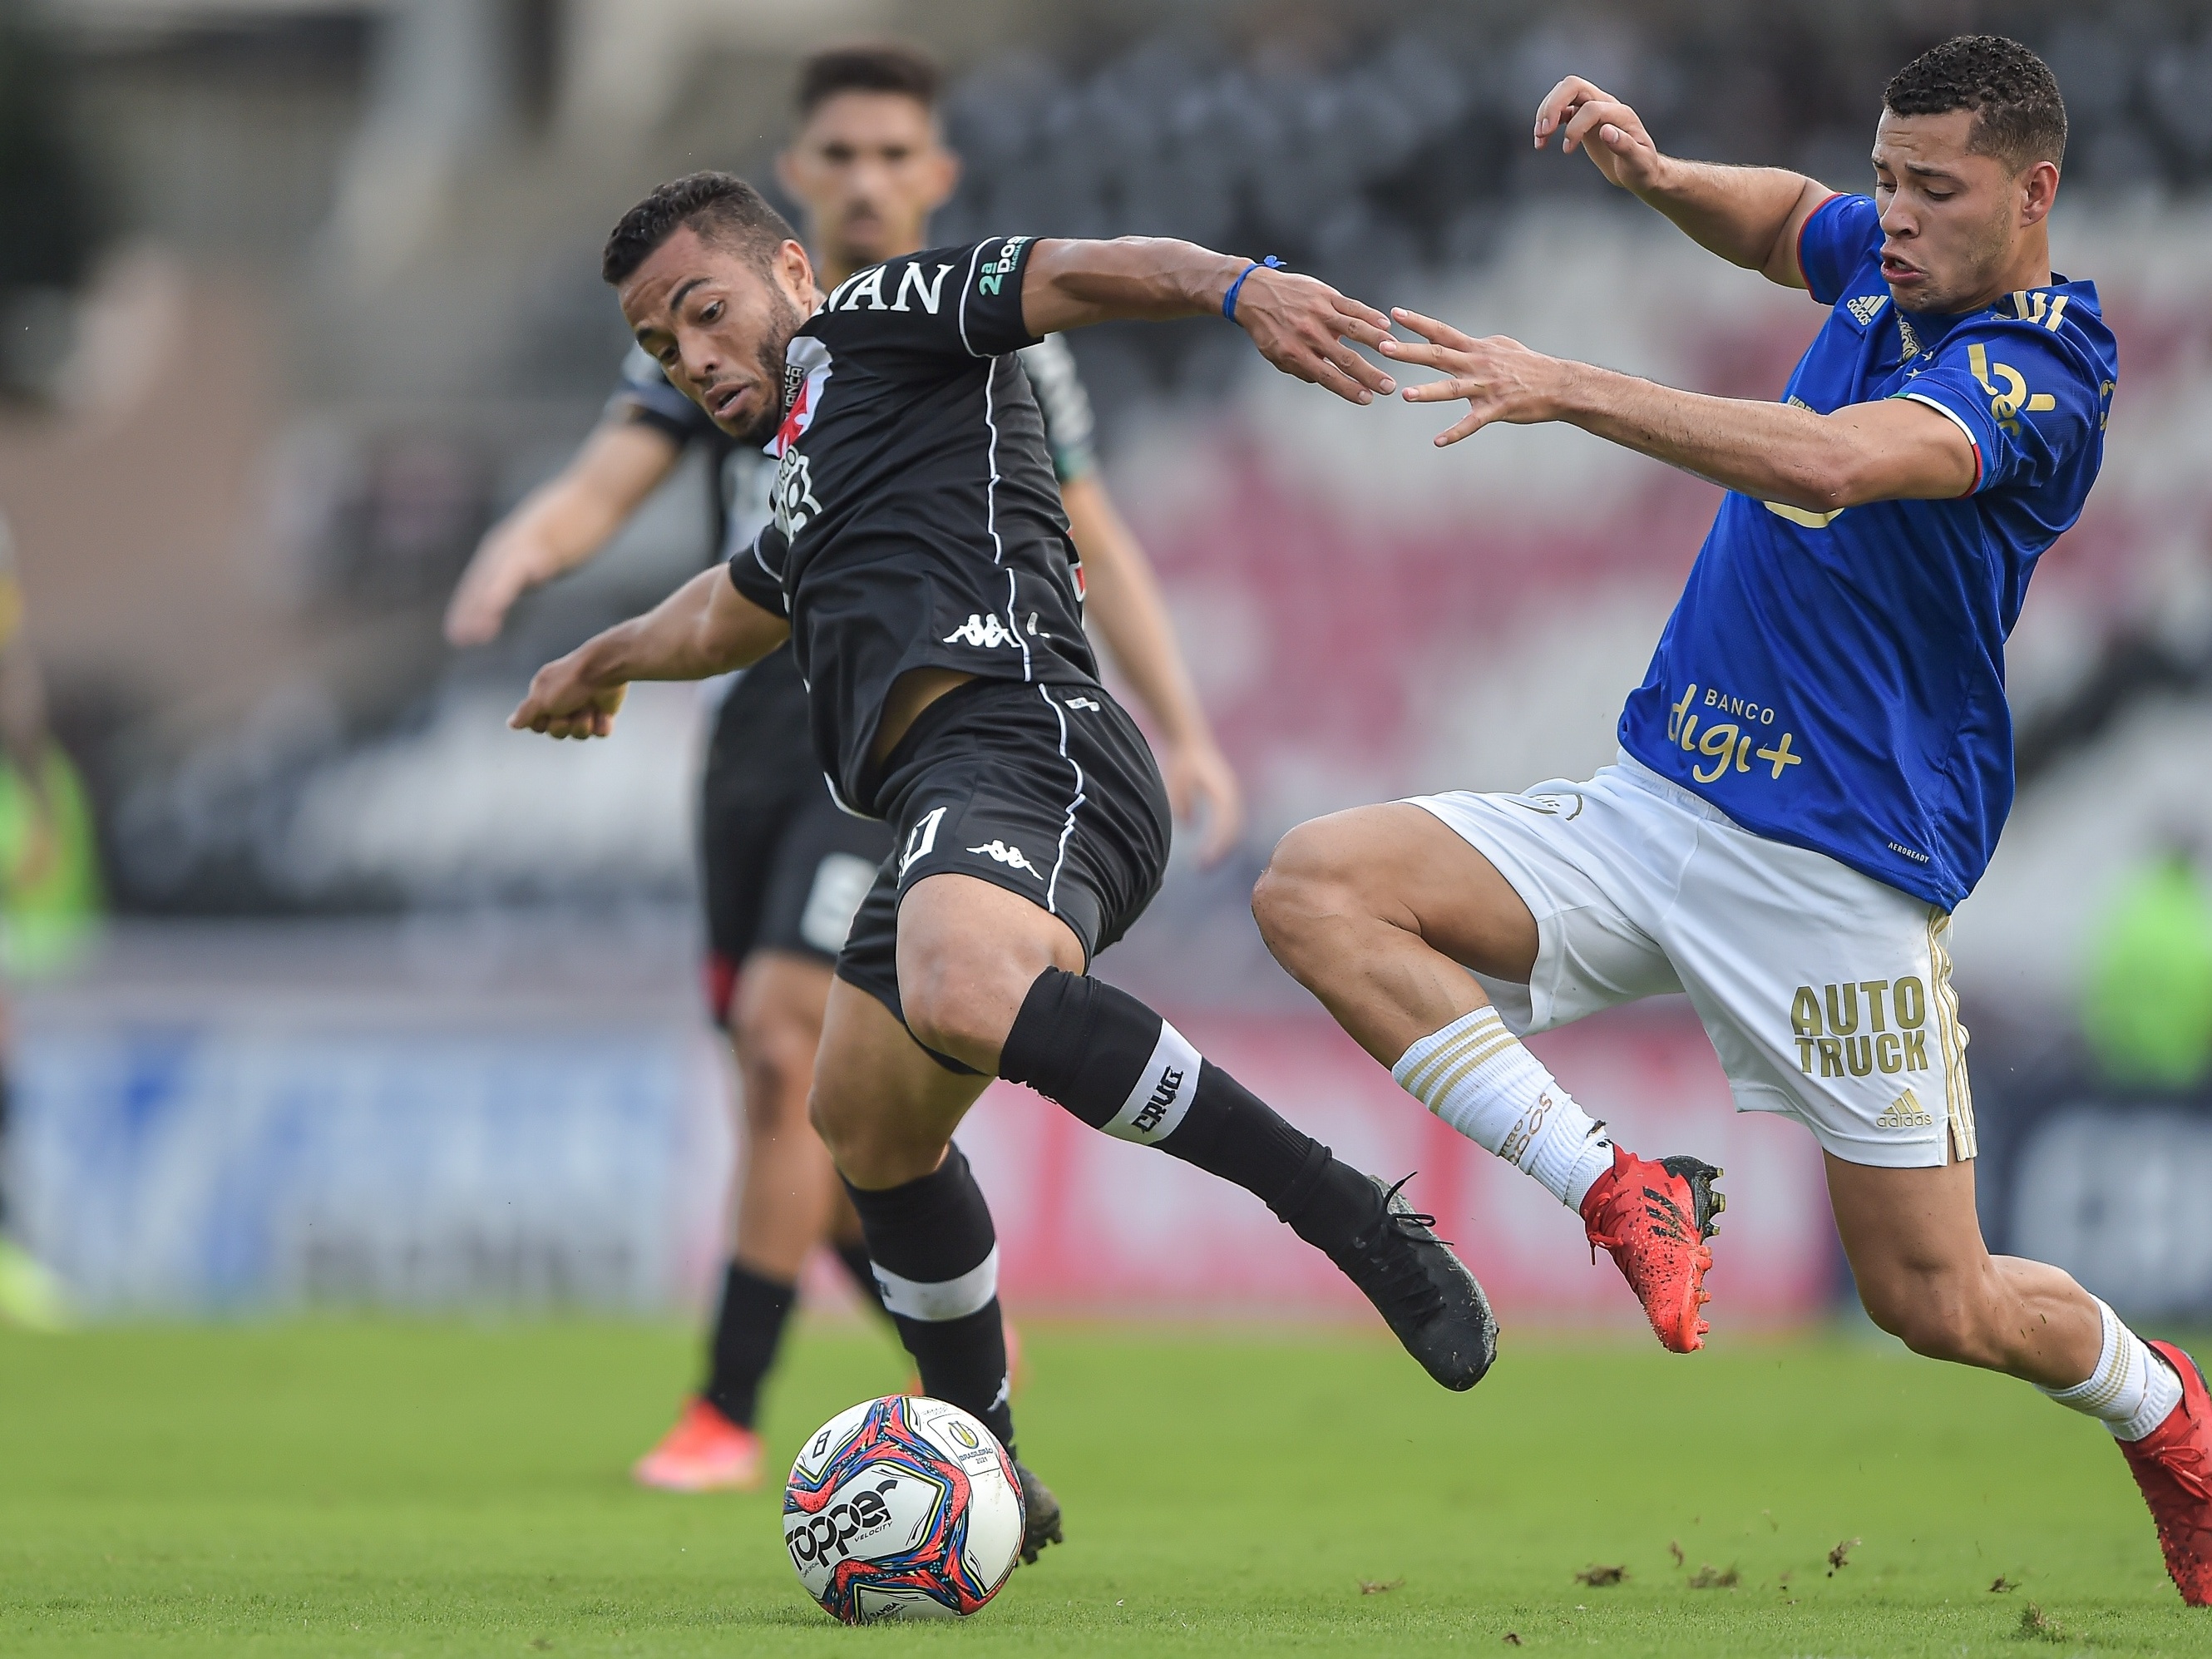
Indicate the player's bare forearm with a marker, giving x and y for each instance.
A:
(560, 525)
(1748, 216)
(1892, 450)
(704, 627)
(1299, 324)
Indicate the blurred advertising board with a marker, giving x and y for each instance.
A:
(226, 1164)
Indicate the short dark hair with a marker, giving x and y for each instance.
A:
(887, 67)
(2019, 116)
(720, 207)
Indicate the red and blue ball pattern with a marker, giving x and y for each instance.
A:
(887, 1513)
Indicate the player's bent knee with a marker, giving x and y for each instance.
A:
(1306, 882)
(1937, 1322)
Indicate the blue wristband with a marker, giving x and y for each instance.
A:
(1229, 299)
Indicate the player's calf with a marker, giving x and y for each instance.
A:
(1120, 1068)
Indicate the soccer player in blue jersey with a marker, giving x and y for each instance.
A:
(1817, 765)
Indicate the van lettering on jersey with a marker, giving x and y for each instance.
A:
(910, 277)
(868, 284)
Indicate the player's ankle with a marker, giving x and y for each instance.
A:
(2131, 1389)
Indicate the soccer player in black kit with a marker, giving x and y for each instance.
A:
(783, 869)
(920, 564)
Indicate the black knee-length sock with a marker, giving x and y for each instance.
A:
(1120, 1068)
(936, 1257)
(748, 1328)
(854, 1257)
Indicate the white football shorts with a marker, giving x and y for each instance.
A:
(1827, 994)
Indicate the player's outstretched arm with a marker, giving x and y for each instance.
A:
(1300, 325)
(705, 627)
(1748, 216)
(1126, 605)
(1895, 449)
(560, 525)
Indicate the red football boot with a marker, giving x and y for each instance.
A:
(1653, 1219)
(704, 1452)
(2173, 1465)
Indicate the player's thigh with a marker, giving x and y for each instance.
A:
(885, 1106)
(1400, 864)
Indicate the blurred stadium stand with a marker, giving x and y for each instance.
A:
(330, 304)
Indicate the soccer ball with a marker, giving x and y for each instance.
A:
(903, 1508)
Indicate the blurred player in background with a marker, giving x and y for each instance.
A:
(49, 895)
(784, 869)
(1817, 766)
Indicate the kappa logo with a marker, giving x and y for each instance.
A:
(1164, 1096)
(1866, 306)
(985, 633)
(1084, 703)
(921, 839)
(1013, 857)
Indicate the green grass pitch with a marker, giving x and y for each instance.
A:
(362, 1487)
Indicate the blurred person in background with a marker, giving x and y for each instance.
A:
(784, 869)
(1818, 765)
(49, 900)
(2148, 1008)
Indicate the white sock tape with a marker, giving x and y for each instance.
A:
(1156, 1105)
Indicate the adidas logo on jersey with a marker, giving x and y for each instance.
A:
(1866, 306)
(982, 631)
(1012, 856)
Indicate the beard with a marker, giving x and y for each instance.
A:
(784, 320)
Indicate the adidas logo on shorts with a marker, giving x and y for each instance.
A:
(1906, 1112)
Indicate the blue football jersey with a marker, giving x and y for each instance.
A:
(1836, 680)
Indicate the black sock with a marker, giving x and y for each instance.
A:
(855, 1256)
(936, 1256)
(1122, 1068)
(748, 1326)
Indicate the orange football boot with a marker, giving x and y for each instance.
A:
(704, 1452)
(1654, 1219)
(2173, 1465)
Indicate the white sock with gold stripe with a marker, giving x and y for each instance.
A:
(1475, 1075)
(2132, 1390)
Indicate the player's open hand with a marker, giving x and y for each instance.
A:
(562, 703)
(1613, 133)
(1501, 378)
(1301, 326)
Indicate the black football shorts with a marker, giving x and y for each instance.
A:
(781, 867)
(1048, 791)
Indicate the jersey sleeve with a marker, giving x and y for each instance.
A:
(934, 310)
(753, 567)
(1069, 426)
(1840, 233)
(2028, 404)
(644, 395)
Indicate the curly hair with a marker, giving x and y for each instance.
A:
(885, 68)
(720, 207)
(2019, 116)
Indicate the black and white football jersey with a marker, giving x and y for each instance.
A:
(916, 520)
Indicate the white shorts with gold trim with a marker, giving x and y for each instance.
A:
(1827, 994)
